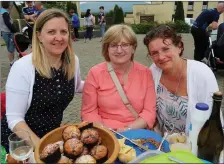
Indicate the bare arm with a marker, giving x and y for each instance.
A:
(147, 116)
(30, 17)
(22, 125)
(101, 21)
(137, 124)
(27, 17)
(214, 25)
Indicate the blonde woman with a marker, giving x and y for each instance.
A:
(41, 85)
(101, 100)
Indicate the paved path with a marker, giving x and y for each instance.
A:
(89, 55)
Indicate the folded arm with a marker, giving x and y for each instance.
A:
(148, 115)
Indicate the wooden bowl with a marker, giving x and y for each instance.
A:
(108, 139)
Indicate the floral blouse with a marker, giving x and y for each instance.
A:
(171, 110)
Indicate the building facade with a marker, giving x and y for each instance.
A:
(164, 11)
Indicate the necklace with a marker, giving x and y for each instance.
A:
(179, 79)
(169, 125)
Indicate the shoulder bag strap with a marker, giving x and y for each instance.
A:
(120, 90)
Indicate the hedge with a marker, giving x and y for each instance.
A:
(180, 26)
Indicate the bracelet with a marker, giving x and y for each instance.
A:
(128, 127)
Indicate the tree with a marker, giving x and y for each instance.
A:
(116, 8)
(20, 7)
(121, 15)
(179, 13)
(118, 15)
(55, 4)
(71, 5)
(110, 13)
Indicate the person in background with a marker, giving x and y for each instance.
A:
(220, 32)
(42, 84)
(39, 7)
(75, 24)
(71, 13)
(179, 83)
(88, 23)
(7, 29)
(29, 15)
(199, 32)
(101, 21)
(101, 101)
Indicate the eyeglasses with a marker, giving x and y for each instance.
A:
(124, 46)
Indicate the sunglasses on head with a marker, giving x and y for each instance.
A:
(159, 29)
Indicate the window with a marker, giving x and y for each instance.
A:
(204, 5)
(190, 5)
(189, 15)
(146, 18)
(205, 2)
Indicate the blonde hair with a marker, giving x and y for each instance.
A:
(114, 35)
(39, 57)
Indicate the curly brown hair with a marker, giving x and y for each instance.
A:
(164, 32)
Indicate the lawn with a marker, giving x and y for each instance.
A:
(2, 43)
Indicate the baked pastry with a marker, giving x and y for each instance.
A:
(51, 153)
(127, 153)
(90, 136)
(64, 159)
(99, 140)
(73, 148)
(60, 143)
(85, 151)
(85, 159)
(99, 152)
(71, 131)
(181, 137)
(10, 159)
(177, 138)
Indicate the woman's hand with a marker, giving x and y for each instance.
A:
(35, 140)
(126, 128)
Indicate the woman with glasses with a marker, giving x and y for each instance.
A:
(101, 100)
(179, 83)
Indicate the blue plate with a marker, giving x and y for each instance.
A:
(144, 134)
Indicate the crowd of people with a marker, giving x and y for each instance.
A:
(7, 28)
(119, 93)
(32, 11)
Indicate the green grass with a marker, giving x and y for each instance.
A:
(2, 43)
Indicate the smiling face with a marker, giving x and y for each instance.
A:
(121, 52)
(164, 53)
(54, 36)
